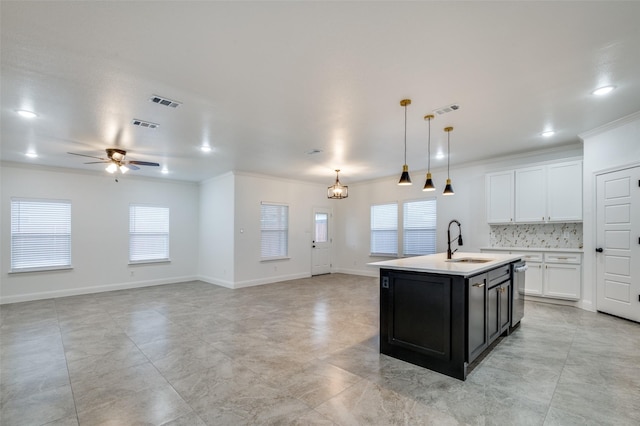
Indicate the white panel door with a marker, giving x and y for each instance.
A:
(500, 192)
(564, 191)
(531, 194)
(618, 236)
(321, 244)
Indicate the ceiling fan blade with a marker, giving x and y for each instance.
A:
(98, 162)
(143, 163)
(132, 167)
(83, 155)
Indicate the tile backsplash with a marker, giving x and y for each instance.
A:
(543, 235)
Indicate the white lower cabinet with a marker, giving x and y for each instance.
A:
(550, 274)
(562, 276)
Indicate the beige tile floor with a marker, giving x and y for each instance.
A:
(301, 352)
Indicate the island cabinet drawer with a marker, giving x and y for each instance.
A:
(563, 258)
(499, 275)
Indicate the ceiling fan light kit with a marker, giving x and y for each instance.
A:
(116, 160)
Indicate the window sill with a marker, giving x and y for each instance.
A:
(269, 259)
(147, 262)
(41, 269)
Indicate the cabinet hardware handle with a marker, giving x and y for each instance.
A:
(479, 285)
(562, 258)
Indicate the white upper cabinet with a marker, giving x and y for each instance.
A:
(564, 192)
(543, 193)
(531, 197)
(500, 201)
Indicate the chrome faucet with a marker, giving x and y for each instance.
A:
(449, 240)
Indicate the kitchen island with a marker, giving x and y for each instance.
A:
(442, 314)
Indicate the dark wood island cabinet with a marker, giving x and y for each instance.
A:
(442, 314)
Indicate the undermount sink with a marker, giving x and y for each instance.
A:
(469, 260)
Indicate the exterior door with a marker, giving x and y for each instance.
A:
(321, 244)
(618, 243)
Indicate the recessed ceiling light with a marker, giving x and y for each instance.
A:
(31, 154)
(164, 171)
(26, 114)
(548, 133)
(205, 148)
(603, 90)
(440, 155)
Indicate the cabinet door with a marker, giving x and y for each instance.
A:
(500, 193)
(564, 191)
(562, 281)
(477, 316)
(531, 198)
(533, 279)
(493, 319)
(504, 294)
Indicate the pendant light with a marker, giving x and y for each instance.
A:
(405, 179)
(428, 185)
(337, 190)
(448, 189)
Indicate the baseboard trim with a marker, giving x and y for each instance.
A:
(271, 280)
(360, 272)
(216, 281)
(93, 289)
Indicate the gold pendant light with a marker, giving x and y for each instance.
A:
(448, 189)
(405, 179)
(428, 185)
(337, 190)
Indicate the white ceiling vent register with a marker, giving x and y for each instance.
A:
(446, 109)
(146, 124)
(164, 101)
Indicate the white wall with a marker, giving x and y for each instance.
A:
(607, 148)
(301, 197)
(467, 206)
(100, 226)
(216, 243)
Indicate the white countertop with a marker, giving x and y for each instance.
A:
(539, 249)
(438, 264)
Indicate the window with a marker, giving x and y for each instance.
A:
(274, 231)
(322, 228)
(148, 234)
(419, 227)
(40, 234)
(384, 229)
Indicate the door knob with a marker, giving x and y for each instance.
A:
(599, 249)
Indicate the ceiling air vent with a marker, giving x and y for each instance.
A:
(164, 101)
(446, 109)
(146, 124)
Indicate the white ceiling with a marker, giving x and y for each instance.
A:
(263, 82)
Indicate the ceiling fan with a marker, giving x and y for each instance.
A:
(116, 161)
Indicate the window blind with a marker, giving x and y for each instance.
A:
(419, 229)
(40, 234)
(148, 233)
(274, 231)
(384, 229)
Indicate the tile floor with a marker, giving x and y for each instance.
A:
(302, 352)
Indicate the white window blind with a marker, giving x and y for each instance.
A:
(148, 233)
(40, 234)
(384, 229)
(274, 231)
(419, 229)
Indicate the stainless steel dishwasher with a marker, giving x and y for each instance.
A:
(517, 290)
